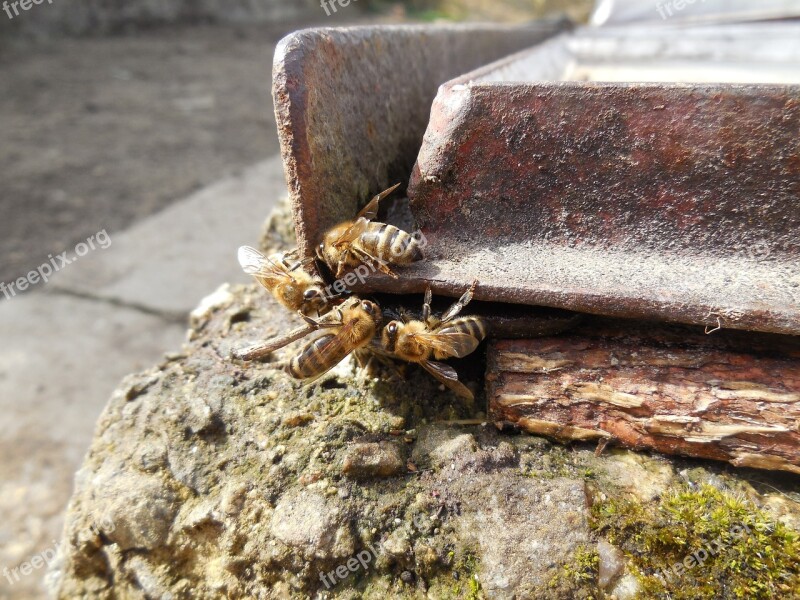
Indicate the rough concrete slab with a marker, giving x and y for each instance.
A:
(60, 360)
(167, 262)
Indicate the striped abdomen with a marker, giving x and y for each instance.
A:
(473, 326)
(390, 244)
(316, 357)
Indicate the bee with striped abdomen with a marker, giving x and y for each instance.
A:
(356, 325)
(286, 280)
(364, 241)
(420, 341)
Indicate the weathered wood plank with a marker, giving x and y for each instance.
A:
(730, 396)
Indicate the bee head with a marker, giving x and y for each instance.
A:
(368, 307)
(314, 297)
(389, 336)
(372, 310)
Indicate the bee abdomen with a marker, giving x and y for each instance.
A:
(312, 360)
(474, 326)
(391, 244)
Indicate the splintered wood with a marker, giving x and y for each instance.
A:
(730, 396)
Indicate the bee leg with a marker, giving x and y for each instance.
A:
(311, 322)
(426, 306)
(321, 324)
(361, 358)
(308, 263)
(285, 262)
(465, 299)
(377, 263)
(340, 268)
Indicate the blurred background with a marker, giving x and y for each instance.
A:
(148, 124)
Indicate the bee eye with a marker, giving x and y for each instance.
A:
(367, 306)
(309, 294)
(392, 327)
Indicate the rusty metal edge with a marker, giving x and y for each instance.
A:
(312, 187)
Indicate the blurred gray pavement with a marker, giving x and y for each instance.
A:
(114, 311)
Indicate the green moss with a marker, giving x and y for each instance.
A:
(579, 574)
(467, 586)
(585, 567)
(557, 461)
(703, 544)
(458, 579)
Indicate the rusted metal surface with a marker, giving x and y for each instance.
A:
(352, 105)
(668, 201)
(734, 397)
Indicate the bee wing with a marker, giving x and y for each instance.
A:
(255, 263)
(339, 342)
(370, 211)
(448, 376)
(450, 343)
(337, 347)
(352, 233)
(367, 258)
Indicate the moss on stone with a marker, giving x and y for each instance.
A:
(579, 575)
(703, 543)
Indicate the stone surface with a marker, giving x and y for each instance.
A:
(628, 588)
(437, 447)
(611, 564)
(310, 524)
(524, 529)
(219, 485)
(373, 460)
(230, 499)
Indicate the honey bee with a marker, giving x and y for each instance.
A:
(354, 327)
(286, 280)
(364, 241)
(419, 341)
